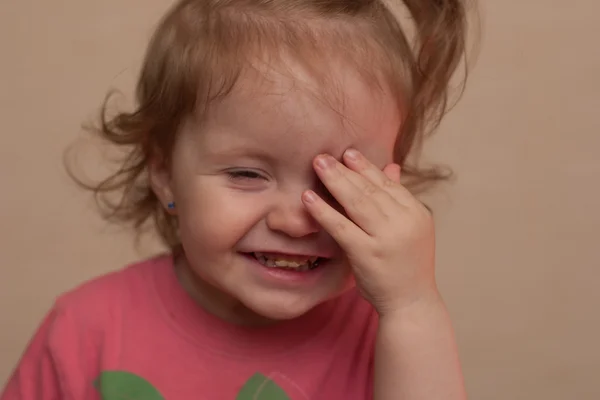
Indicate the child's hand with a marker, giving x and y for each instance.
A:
(390, 240)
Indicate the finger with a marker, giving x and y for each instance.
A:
(359, 163)
(343, 231)
(392, 171)
(361, 199)
(388, 179)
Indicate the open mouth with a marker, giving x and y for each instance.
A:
(290, 263)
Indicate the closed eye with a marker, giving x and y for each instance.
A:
(244, 175)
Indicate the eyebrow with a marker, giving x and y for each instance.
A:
(240, 152)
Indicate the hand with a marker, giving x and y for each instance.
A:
(389, 240)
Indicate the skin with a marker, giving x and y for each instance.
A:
(303, 190)
(270, 129)
(389, 240)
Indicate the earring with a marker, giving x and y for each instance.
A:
(171, 205)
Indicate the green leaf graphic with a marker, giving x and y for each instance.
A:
(259, 387)
(121, 385)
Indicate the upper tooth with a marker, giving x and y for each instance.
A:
(290, 262)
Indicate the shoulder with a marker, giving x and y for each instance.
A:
(86, 324)
(96, 301)
(74, 338)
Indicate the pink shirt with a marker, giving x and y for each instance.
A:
(136, 334)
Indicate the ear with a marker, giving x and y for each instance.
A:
(159, 175)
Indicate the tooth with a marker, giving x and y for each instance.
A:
(309, 264)
(289, 264)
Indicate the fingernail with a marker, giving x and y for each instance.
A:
(310, 196)
(352, 154)
(325, 161)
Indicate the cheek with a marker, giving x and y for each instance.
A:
(216, 219)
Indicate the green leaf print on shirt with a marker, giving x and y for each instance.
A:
(259, 387)
(121, 385)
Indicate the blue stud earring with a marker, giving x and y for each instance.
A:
(171, 205)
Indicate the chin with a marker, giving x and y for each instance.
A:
(287, 306)
(283, 314)
(282, 311)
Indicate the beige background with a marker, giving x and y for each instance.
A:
(518, 231)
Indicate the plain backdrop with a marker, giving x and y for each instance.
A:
(518, 231)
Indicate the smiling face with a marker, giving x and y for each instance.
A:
(237, 180)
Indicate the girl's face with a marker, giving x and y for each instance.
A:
(237, 181)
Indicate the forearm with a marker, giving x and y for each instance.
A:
(416, 356)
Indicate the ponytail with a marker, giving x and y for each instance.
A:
(439, 47)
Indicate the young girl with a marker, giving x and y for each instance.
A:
(266, 148)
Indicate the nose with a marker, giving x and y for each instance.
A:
(292, 219)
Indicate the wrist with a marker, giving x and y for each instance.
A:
(416, 354)
(426, 302)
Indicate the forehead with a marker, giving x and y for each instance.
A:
(289, 112)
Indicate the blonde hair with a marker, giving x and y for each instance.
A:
(201, 47)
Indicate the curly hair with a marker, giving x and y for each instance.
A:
(200, 48)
